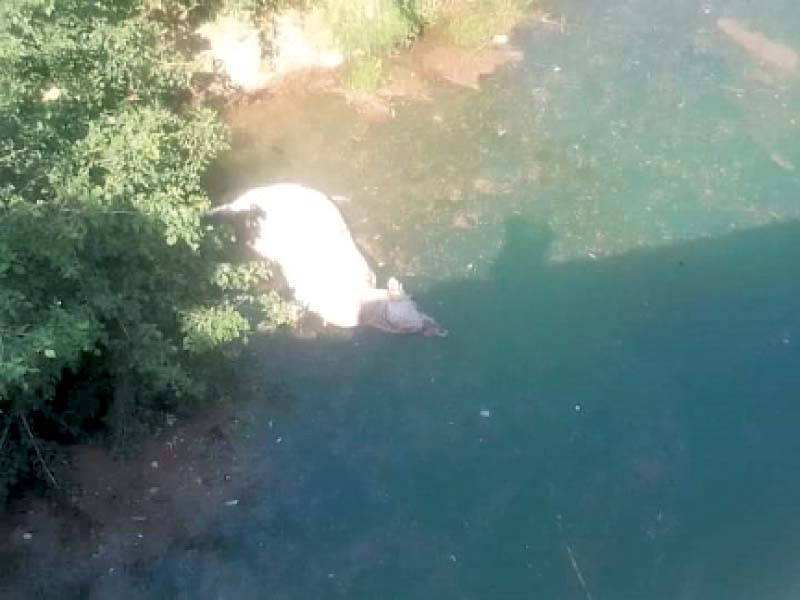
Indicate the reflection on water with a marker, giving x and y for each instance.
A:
(607, 232)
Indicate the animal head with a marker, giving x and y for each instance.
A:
(393, 310)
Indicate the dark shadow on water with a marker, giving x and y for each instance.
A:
(639, 412)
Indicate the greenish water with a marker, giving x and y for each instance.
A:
(626, 311)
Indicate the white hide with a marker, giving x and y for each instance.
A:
(303, 231)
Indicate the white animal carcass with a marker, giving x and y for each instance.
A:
(302, 231)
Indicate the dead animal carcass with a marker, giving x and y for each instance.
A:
(302, 231)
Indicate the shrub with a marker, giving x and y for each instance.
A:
(108, 280)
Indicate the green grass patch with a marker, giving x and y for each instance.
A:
(370, 27)
(365, 73)
(473, 23)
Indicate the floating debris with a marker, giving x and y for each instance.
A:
(781, 161)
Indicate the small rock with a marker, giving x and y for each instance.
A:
(154, 464)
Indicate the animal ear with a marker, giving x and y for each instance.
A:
(395, 287)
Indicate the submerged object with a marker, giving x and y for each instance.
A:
(760, 46)
(301, 230)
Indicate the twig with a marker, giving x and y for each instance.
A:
(38, 452)
(577, 571)
(573, 561)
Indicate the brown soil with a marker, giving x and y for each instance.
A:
(116, 513)
(465, 67)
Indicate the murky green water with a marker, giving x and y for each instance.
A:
(615, 414)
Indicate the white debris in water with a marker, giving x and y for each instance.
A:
(453, 558)
(231, 502)
(27, 535)
(577, 408)
(486, 413)
(556, 69)
(154, 464)
(278, 440)
(500, 39)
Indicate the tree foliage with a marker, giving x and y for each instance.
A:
(109, 281)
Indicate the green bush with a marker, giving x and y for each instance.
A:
(109, 283)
